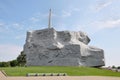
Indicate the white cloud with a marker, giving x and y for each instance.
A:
(1, 24)
(20, 37)
(17, 26)
(38, 17)
(10, 27)
(61, 26)
(3, 27)
(96, 26)
(75, 9)
(106, 24)
(68, 12)
(102, 4)
(9, 52)
(77, 27)
(34, 19)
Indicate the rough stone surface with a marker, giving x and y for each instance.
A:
(49, 47)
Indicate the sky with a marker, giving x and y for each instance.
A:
(100, 19)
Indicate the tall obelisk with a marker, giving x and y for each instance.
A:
(49, 21)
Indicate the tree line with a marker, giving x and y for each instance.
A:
(19, 61)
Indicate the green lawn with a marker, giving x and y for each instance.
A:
(71, 71)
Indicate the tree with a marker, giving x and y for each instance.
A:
(4, 64)
(113, 67)
(0, 64)
(118, 67)
(13, 63)
(21, 59)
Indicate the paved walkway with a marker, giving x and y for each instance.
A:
(2, 77)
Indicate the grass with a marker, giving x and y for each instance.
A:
(71, 71)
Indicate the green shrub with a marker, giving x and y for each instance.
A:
(21, 59)
(118, 67)
(13, 63)
(113, 67)
(0, 64)
(4, 64)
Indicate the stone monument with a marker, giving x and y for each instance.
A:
(48, 47)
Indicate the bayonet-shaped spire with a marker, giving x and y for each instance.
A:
(49, 21)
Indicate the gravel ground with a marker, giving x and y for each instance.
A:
(2, 77)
